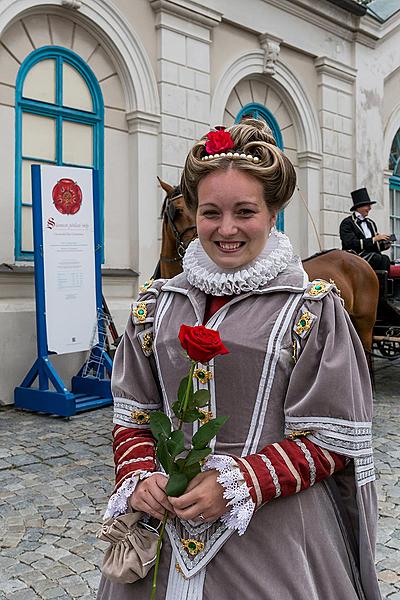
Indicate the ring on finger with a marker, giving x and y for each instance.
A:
(201, 517)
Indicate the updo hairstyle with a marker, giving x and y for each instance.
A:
(274, 170)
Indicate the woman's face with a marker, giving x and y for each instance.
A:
(233, 221)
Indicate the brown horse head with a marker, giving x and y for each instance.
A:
(178, 230)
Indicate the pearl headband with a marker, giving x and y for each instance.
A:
(232, 155)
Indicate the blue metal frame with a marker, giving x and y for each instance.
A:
(87, 392)
(60, 114)
(258, 111)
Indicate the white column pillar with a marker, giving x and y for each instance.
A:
(184, 38)
(143, 149)
(309, 182)
(336, 112)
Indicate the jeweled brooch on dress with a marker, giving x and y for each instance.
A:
(140, 312)
(147, 342)
(147, 284)
(303, 324)
(192, 546)
(207, 416)
(140, 417)
(319, 287)
(202, 375)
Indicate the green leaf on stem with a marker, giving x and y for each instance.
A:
(160, 424)
(177, 408)
(196, 456)
(177, 484)
(192, 470)
(164, 456)
(205, 433)
(176, 443)
(192, 415)
(201, 398)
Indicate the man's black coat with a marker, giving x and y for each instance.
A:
(353, 236)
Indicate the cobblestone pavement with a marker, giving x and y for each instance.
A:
(55, 476)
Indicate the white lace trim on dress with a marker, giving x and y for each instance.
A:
(118, 503)
(204, 274)
(236, 491)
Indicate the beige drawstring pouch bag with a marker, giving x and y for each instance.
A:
(132, 550)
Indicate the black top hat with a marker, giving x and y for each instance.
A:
(361, 198)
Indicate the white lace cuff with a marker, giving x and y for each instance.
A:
(236, 491)
(118, 503)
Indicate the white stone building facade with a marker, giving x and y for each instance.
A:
(127, 85)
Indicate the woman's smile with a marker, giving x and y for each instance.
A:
(229, 246)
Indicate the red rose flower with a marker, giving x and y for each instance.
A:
(201, 344)
(219, 141)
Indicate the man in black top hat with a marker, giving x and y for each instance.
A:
(359, 233)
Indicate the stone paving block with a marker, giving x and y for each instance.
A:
(55, 592)
(58, 571)
(27, 594)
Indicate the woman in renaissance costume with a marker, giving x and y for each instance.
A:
(285, 506)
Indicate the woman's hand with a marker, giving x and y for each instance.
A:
(150, 497)
(203, 496)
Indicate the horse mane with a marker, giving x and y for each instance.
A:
(175, 193)
(318, 254)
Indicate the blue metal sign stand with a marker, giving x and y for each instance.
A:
(87, 392)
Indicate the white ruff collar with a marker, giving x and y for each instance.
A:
(204, 274)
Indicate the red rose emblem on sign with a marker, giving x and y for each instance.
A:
(201, 344)
(67, 196)
(219, 141)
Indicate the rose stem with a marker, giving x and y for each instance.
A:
(186, 398)
(160, 539)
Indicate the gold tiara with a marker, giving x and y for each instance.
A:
(232, 155)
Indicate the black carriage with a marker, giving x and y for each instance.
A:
(387, 327)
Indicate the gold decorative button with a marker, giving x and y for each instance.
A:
(202, 375)
(147, 284)
(192, 546)
(140, 417)
(140, 312)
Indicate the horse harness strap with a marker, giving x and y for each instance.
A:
(180, 246)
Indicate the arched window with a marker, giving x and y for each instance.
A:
(258, 111)
(394, 192)
(59, 121)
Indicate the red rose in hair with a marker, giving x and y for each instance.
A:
(201, 344)
(219, 141)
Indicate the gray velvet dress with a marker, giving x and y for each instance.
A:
(317, 544)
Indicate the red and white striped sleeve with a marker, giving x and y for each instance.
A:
(280, 469)
(287, 467)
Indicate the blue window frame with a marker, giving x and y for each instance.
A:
(394, 194)
(258, 111)
(60, 117)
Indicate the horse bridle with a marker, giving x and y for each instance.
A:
(181, 247)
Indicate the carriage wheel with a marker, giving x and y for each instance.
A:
(390, 348)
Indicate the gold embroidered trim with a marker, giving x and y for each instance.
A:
(179, 570)
(192, 546)
(147, 284)
(295, 434)
(207, 416)
(140, 312)
(147, 342)
(140, 417)
(303, 324)
(202, 375)
(318, 288)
